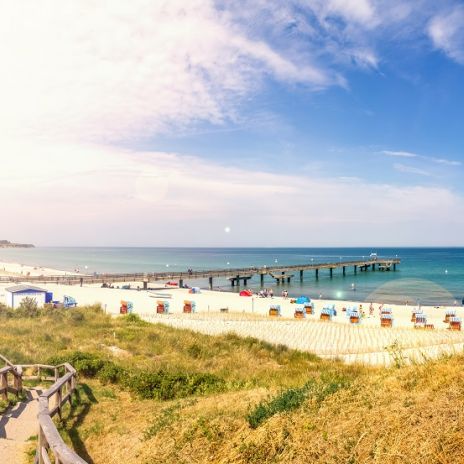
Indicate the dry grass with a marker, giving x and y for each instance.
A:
(408, 415)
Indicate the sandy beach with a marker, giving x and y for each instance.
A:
(17, 269)
(221, 312)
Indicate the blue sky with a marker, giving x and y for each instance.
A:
(320, 121)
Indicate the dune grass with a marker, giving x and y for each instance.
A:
(236, 400)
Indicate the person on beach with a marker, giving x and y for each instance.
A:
(371, 310)
(271, 293)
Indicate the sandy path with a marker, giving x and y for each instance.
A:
(16, 427)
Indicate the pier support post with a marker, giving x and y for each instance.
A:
(245, 282)
(355, 269)
(344, 270)
(373, 266)
(317, 273)
(394, 266)
(238, 281)
(210, 283)
(288, 279)
(145, 284)
(232, 282)
(301, 275)
(331, 272)
(181, 283)
(261, 276)
(81, 280)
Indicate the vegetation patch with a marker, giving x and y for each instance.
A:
(292, 398)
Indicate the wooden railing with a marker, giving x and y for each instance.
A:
(51, 403)
(10, 379)
(50, 447)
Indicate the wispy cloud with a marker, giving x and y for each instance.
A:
(410, 169)
(407, 154)
(159, 194)
(400, 154)
(123, 71)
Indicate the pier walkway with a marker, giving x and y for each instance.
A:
(235, 276)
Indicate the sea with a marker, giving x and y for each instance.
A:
(428, 276)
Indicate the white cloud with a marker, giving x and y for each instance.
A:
(447, 32)
(401, 154)
(411, 169)
(433, 159)
(109, 70)
(106, 196)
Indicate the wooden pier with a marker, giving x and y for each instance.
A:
(235, 276)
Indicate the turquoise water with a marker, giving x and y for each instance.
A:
(431, 275)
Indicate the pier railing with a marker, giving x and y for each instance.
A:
(73, 279)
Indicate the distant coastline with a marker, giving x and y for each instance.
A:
(8, 244)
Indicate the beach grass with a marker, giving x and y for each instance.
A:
(255, 402)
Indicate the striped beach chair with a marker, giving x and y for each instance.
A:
(309, 308)
(386, 320)
(300, 312)
(455, 323)
(275, 311)
(189, 306)
(162, 307)
(420, 321)
(354, 317)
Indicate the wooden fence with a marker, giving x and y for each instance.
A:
(50, 447)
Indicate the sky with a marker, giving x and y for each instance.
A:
(232, 123)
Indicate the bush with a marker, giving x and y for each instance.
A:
(111, 373)
(134, 319)
(87, 364)
(293, 398)
(287, 400)
(164, 385)
(27, 308)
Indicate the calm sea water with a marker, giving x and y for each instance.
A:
(431, 275)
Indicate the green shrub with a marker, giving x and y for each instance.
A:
(111, 373)
(293, 398)
(134, 319)
(287, 400)
(87, 364)
(27, 308)
(164, 385)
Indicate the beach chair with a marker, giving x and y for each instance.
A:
(123, 307)
(300, 313)
(420, 321)
(69, 302)
(162, 307)
(354, 317)
(386, 320)
(414, 314)
(455, 323)
(275, 311)
(449, 314)
(309, 308)
(189, 306)
(326, 314)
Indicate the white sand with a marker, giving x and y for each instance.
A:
(16, 269)
(366, 342)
